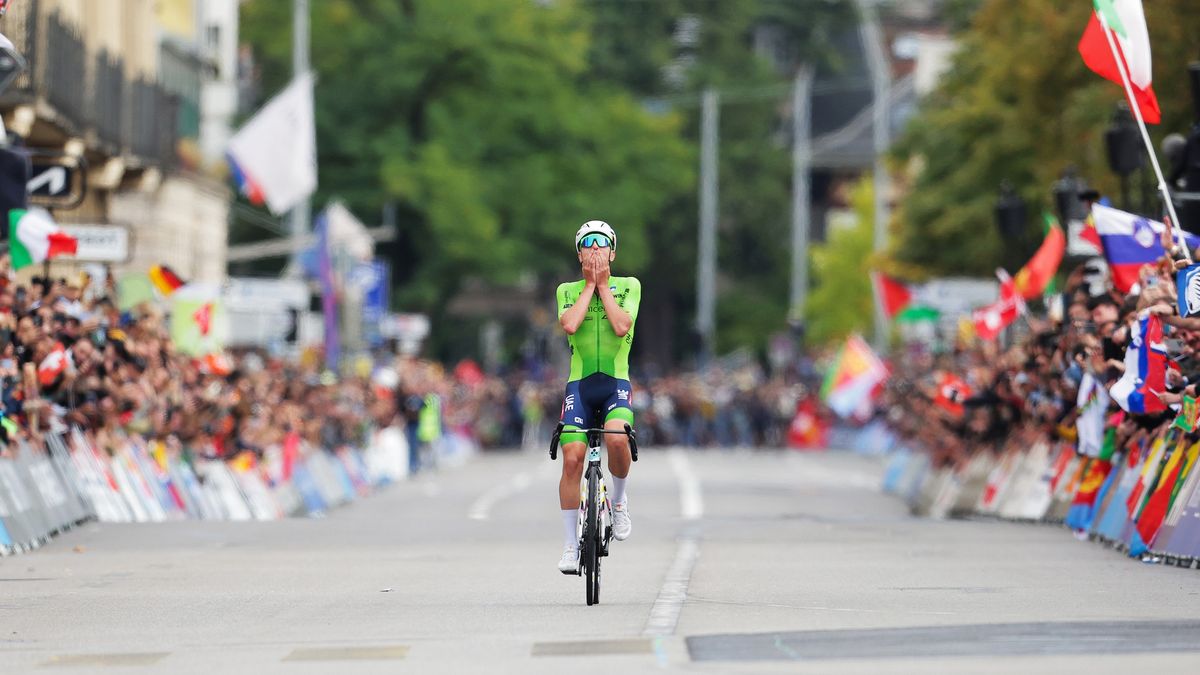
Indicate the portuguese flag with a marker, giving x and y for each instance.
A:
(1036, 275)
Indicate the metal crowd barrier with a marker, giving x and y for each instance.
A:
(47, 490)
(1144, 502)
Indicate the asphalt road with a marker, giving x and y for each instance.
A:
(739, 562)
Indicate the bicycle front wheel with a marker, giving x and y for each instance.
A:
(592, 538)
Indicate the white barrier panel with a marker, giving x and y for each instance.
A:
(99, 485)
(223, 488)
(49, 494)
(387, 456)
(81, 509)
(1024, 482)
(46, 490)
(974, 482)
(947, 493)
(16, 509)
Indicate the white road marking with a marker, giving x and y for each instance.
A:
(691, 503)
(664, 615)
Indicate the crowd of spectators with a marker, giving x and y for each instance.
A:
(993, 396)
(727, 407)
(70, 356)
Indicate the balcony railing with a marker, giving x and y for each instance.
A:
(109, 99)
(154, 117)
(66, 69)
(90, 93)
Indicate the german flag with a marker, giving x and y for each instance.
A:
(165, 280)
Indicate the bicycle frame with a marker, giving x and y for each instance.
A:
(595, 511)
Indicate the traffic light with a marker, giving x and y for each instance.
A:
(1011, 216)
(1123, 143)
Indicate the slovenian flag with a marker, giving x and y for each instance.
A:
(1131, 242)
(1145, 368)
(1126, 27)
(34, 237)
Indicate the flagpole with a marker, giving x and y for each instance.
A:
(1137, 114)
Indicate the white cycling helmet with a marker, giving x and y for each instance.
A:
(596, 227)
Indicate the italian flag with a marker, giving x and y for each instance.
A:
(34, 237)
(1124, 23)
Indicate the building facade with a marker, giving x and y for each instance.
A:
(124, 86)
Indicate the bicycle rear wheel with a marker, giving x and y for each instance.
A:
(592, 541)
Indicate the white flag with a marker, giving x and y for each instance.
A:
(274, 155)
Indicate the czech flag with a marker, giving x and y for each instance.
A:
(1145, 368)
(1131, 242)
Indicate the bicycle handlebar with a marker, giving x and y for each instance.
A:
(628, 431)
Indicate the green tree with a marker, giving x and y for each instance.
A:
(634, 44)
(841, 302)
(1019, 105)
(477, 119)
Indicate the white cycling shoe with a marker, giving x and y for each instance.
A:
(621, 524)
(569, 563)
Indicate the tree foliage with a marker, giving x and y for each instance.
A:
(497, 126)
(1018, 104)
(841, 302)
(474, 117)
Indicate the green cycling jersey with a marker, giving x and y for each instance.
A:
(595, 347)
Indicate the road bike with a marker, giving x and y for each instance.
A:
(595, 510)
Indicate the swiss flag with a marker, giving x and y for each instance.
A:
(993, 318)
(951, 393)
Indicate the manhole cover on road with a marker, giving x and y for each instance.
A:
(593, 648)
(1005, 639)
(104, 660)
(348, 654)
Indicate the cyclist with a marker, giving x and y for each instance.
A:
(598, 313)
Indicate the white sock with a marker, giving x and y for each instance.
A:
(618, 494)
(570, 524)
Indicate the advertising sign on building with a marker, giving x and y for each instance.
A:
(100, 243)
